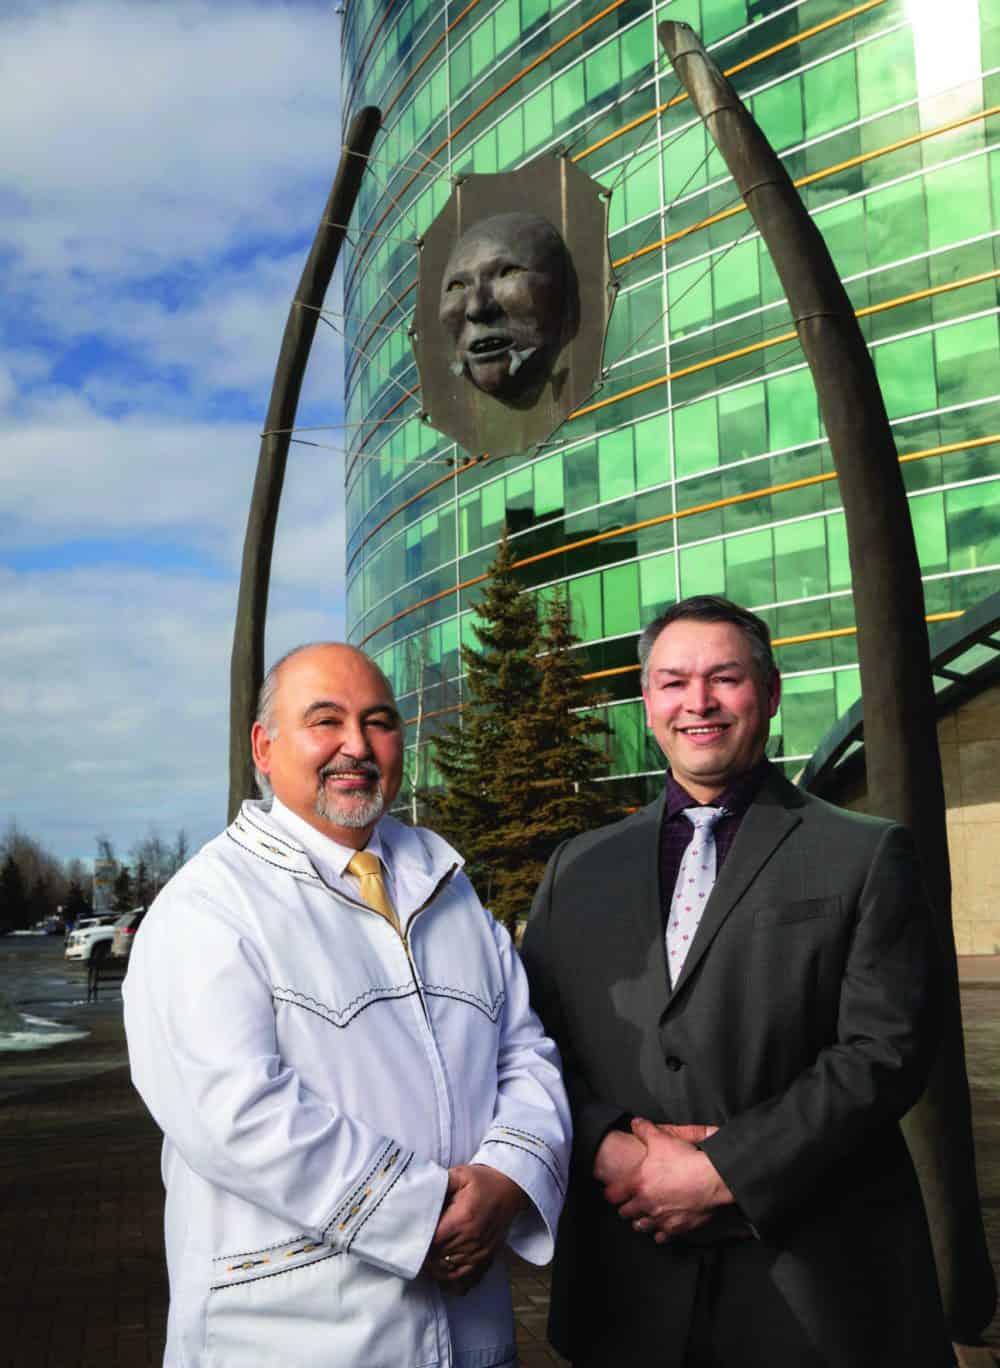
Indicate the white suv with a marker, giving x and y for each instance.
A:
(91, 938)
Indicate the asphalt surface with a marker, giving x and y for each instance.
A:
(84, 1283)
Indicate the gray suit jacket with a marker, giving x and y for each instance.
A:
(803, 1024)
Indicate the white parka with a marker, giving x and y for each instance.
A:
(315, 1075)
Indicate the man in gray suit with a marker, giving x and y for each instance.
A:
(741, 981)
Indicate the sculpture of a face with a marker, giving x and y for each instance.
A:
(508, 302)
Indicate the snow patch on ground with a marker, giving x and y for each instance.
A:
(37, 1033)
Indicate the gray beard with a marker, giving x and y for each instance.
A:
(355, 812)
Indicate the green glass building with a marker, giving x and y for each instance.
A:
(700, 465)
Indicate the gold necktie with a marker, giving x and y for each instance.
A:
(367, 869)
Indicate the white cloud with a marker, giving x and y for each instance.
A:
(117, 708)
(164, 169)
(204, 115)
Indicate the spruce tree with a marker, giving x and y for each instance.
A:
(519, 768)
(554, 755)
(470, 754)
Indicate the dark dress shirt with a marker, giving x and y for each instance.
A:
(676, 831)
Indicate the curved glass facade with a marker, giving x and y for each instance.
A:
(700, 465)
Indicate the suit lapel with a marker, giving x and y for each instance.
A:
(768, 821)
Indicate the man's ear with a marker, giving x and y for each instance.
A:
(773, 693)
(260, 745)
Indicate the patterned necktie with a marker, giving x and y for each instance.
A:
(367, 869)
(695, 880)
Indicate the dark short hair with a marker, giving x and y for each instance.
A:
(712, 608)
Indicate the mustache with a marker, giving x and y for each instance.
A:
(367, 767)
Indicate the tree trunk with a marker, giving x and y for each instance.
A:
(246, 670)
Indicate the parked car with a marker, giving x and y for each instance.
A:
(125, 928)
(91, 938)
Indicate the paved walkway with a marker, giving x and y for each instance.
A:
(81, 1202)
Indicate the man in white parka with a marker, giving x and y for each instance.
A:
(359, 1107)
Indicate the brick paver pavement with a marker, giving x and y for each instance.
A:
(81, 1206)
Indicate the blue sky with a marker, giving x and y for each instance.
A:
(165, 165)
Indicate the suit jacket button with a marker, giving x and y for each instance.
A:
(673, 1063)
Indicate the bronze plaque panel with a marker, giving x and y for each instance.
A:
(514, 294)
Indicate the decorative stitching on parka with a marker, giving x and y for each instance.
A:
(285, 840)
(381, 1198)
(306, 875)
(343, 1016)
(275, 1273)
(265, 1249)
(559, 1182)
(506, 1129)
(387, 1158)
(489, 1010)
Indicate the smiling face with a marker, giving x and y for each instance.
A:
(505, 299)
(333, 749)
(707, 705)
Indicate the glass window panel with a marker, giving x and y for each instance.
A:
(510, 139)
(830, 94)
(800, 565)
(638, 48)
(689, 292)
(696, 437)
(652, 451)
(703, 569)
(721, 17)
(601, 71)
(684, 168)
(568, 94)
(736, 277)
(520, 489)
(886, 72)
(657, 589)
(742, 423)
(837, 554)
(967, 184)
(895, 221)
(484, 154)
(906, 374)
(549, 486)
(973, 515)
(483, 48)
(507, 21)
(848, 689)
(642, 192)
(779, 113)
(927, 515)
(616, 465)
(621, 600)
(538, 117)
(493, 507)
(968, 358)
(585, 606)
(581, 477)
(843, 228)
(627, 738)
(792, 409)
(750, 568)
(808, 711)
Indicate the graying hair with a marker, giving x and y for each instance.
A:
(712, 608)
(265, 708)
